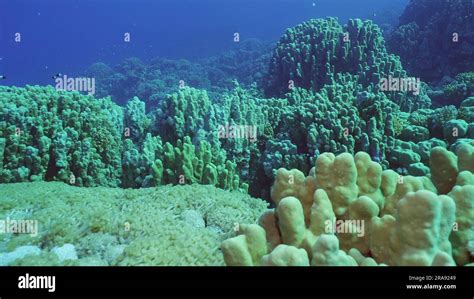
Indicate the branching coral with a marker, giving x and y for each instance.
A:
(459, 89)
(189, 112)
(156, 164)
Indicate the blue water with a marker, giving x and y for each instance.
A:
(67, 36)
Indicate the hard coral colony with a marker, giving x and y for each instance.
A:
(343, 170)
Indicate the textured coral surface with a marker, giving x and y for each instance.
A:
(180, 225)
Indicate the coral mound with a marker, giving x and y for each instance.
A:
(322, 52)
(56, 135)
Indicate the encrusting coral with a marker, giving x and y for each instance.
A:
(168, 225)
(348, 211)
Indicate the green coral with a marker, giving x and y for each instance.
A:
(190, 112)
(185, 113)
(466, 111)
(48, 134)
(156, 164)
(441, 116)
(414, 133)
(247, 62)
(399, 124)
(54, 135)
(319, 51)
(311, 53)
(332, 105)
(136, 123)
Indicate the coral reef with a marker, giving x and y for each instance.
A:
(321, 52)
(332, 107)
(357, 174)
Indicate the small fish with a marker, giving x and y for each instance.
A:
(3, 77)
(57, 76)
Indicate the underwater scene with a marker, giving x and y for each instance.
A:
(238, 133)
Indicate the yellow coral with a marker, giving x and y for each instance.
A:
(382, 218)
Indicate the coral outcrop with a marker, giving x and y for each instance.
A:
(55, 135)
(321, 52)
